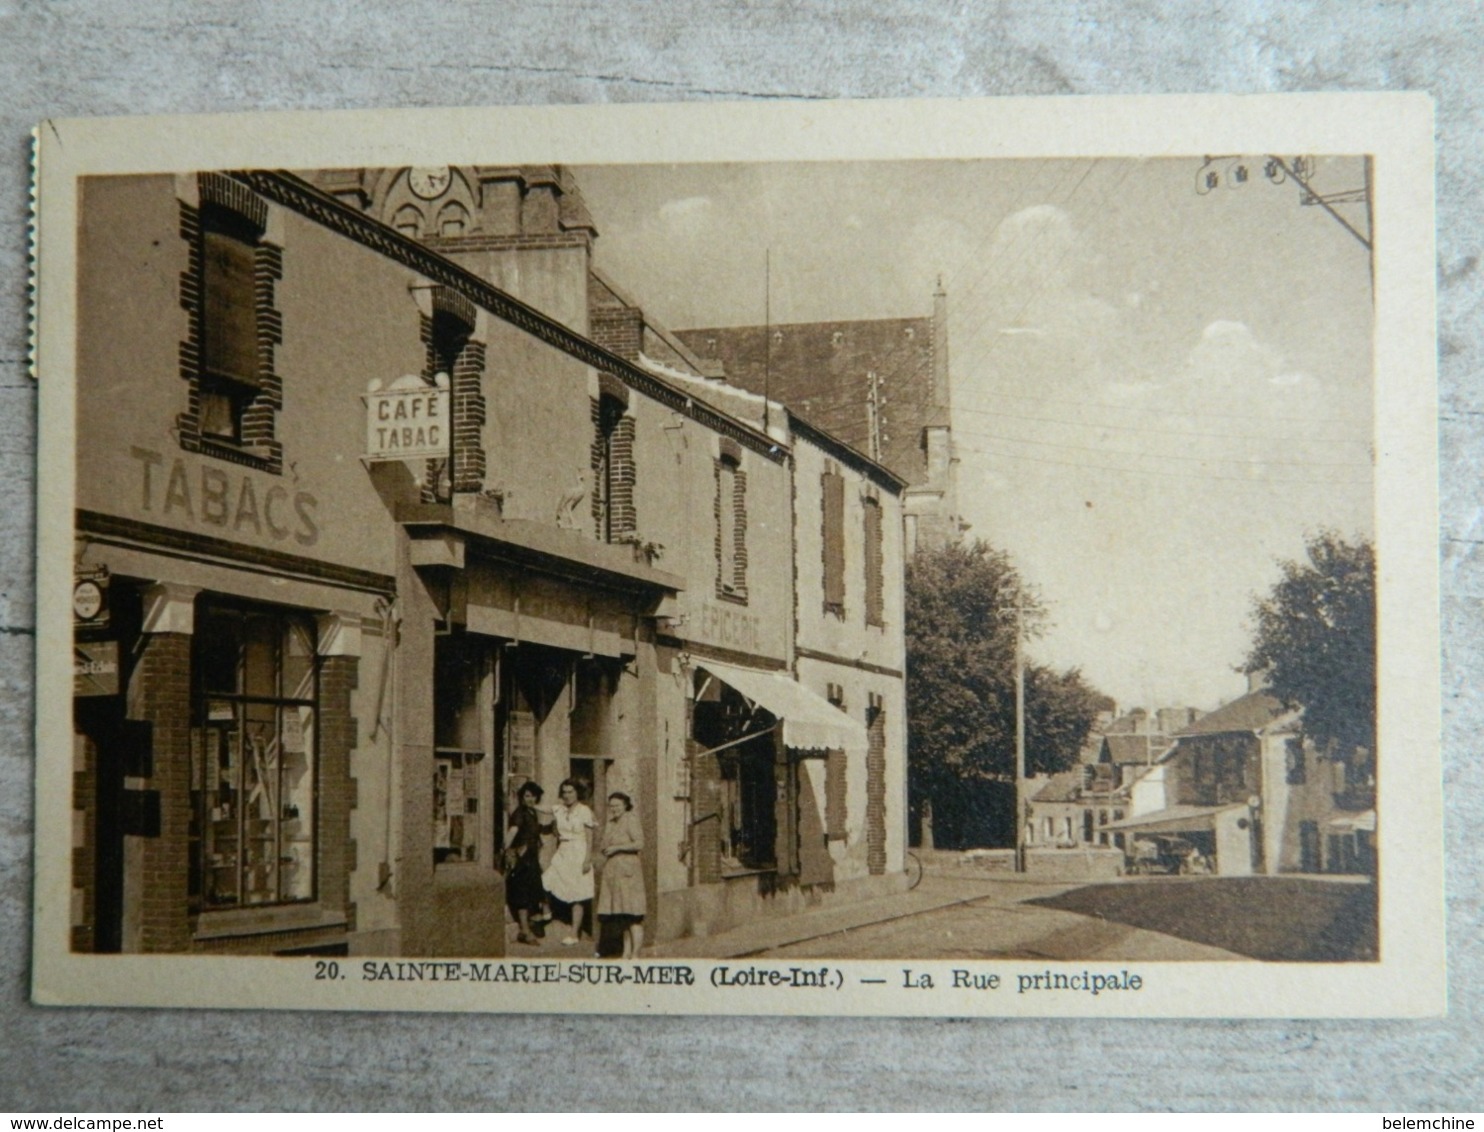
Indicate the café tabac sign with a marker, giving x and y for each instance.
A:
(407, 419)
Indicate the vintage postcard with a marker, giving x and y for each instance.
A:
(962, 558)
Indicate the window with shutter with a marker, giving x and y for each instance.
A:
(228, 358)
(731, 526)
(450, 349)
(833, 490)
(614, 515)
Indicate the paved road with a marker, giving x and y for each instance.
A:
(992, 922)
(950, 915)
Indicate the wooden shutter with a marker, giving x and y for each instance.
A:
(229, 317)
(875, 612)
(835, 804)
(834, 542)
(876, 791)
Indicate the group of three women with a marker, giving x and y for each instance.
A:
(569, 882)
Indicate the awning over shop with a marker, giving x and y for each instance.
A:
(1364, 822)
(810, 722)
(1176, 819)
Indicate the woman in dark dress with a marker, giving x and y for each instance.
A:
(523, 888)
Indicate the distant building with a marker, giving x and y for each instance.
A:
(881, 385)
(1242, 788)
(1120, 764)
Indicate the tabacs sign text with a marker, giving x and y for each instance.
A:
(408, 419)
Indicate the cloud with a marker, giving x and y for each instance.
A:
(1229, 359)
(1229, 354)
(686, 216)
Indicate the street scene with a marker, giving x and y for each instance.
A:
(853, 560)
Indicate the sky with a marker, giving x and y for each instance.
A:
(1158, 391)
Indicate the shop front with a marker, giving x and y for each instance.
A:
(525, 655)
(761, 749)
(213, 778)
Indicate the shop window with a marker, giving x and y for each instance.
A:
(229, 356)
(459, 668)
(875, 571)
(749, 799)
(832, 487)
(736, 739)
(253, 758)
(731, 524)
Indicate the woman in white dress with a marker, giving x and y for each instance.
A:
(569, 876)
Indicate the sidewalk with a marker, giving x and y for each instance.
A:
(933, 893)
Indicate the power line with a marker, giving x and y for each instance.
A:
(1161, 431)
(1161, 456)
(1169, 412)
(1184, 476)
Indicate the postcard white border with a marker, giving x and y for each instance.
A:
(1396, 128)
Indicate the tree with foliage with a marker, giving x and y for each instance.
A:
(960, 625)
(1316, 641)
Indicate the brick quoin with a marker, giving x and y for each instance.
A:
(876, 792)
(614, 476)
(835, 803)
(468, 409)
(85, 856)
(339, 676)
(622, 477)
(468, 418)
(163, 676)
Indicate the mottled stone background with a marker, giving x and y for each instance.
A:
(89, 57)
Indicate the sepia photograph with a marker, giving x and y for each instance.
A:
(954, 579)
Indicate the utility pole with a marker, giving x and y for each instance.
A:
(767, 333)
(1020, 799)
(1020, 610)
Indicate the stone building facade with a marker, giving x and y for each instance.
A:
(310, 682)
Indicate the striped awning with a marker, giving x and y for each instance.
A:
(810, 722)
